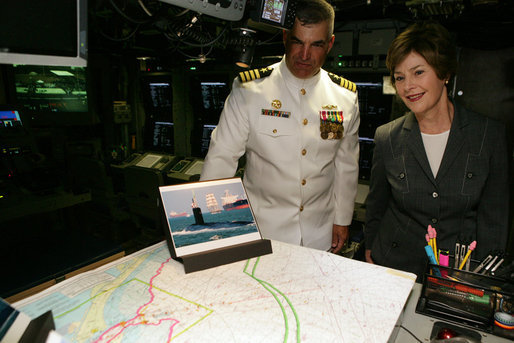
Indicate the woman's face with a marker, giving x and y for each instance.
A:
(418, 86)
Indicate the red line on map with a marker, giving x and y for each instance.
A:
(138, 319)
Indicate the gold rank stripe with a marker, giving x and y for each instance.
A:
(250, 75)
(348, 84)
(341, 81)
(254, 74)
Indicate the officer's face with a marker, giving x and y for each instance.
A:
(306, 48)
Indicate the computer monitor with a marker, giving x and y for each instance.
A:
(213, 95)
(160, 137)
(375, 109)
(206, 138)
(52, 95)
(157, 91)
(209, 92)
(10, 119)
(44, 32)
(374, 105)
(366, 146)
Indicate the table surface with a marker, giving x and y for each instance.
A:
(295, 294)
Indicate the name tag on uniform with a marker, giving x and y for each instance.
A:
(331, 124)
(275, 113)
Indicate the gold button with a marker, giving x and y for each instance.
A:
(304, 182)
(274, 130)
(302, 91)
(304, 152)
(305, 121)
(301, 208)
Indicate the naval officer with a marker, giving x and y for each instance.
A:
(298, 126)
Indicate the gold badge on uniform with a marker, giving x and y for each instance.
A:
(331, 124)
(276, 104)
(329, 107)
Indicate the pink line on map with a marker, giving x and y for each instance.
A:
(134, 321)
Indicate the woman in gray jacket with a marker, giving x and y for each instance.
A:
(438, 165)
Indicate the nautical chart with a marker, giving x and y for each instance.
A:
(293, 295)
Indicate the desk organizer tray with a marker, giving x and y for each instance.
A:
(466, 298)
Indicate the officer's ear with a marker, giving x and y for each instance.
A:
(331, 43)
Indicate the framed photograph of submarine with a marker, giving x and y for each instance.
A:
(210, 223)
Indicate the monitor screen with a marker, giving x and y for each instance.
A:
(365, 157)
(274, 10)
(159, 95)
(374, 105)
(51, 88)
(160, 137)
(213, 96)
(44, 32)
(51, 95)
(206, 138)
(10, 119)
(157, 91)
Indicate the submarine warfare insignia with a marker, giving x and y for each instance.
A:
(329, 107)
(331, 124)
(276, 104)
(254, 74)
(343, 82)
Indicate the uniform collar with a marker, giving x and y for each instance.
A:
(296, 82)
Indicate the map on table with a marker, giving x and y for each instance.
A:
(295, 294)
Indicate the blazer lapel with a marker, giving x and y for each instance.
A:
(415, 144)
(455, 141)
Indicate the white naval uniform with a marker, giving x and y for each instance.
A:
(298, 184)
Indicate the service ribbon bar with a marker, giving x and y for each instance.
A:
(276, 113)
(331, 116)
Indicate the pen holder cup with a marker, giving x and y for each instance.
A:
(466, 298)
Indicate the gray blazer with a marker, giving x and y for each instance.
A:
(468, 200)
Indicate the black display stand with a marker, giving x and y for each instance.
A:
(218, 257)
(38, 329)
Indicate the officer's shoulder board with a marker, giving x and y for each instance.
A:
(341, 81)
(254, 74)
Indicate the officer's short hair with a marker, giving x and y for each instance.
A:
(314, 12)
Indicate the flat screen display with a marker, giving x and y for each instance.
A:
(51, 88)
(10, 119)
(161, 137)
(274, 10)
(206, 138)
(51, 32)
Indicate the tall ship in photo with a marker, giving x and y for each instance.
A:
(212, 203)
(233, 202)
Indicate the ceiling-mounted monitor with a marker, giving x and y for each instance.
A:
(52, 32)
(277, 13)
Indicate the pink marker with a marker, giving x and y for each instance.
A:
(432, 233)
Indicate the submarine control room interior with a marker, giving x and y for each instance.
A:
(112, 99)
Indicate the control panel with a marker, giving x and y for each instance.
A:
(186, 170)
(232, 10)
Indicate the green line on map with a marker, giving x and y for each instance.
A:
(267, 286)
